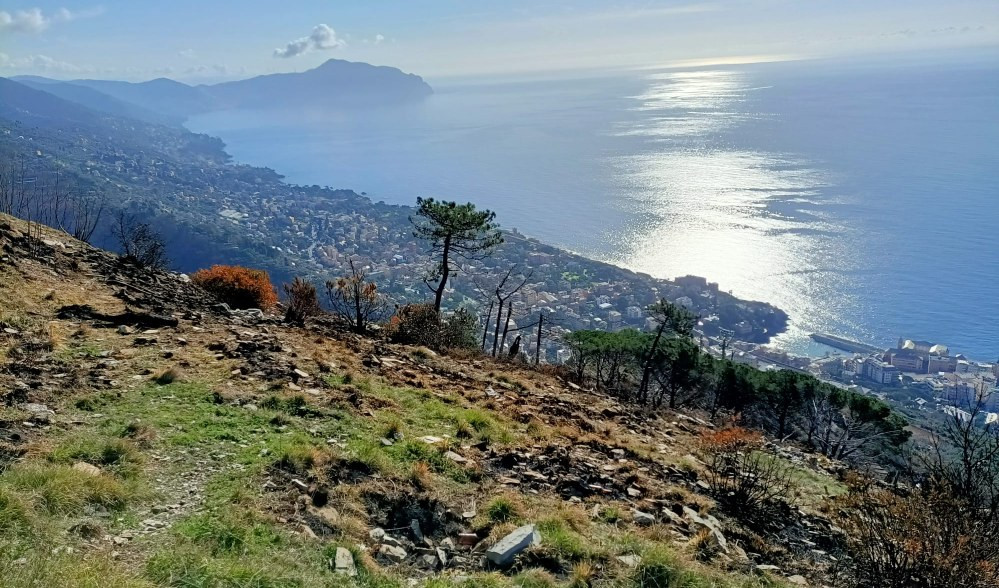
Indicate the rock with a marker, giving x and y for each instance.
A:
(674, 518)
(429, 561)
(39, 412)
(124, 330)
(631, 561)
(414, 527)
(643, 519)
(86, 468)
(431, 440)
(767, 568)
(709, 522)
(454, 457)
(468, 539)
(634, 492)
(442, 556)
(507, 548)
(392, 553)
(343, 562)
(302, 486)
(797, 580)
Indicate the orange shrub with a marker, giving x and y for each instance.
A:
(731, 439)
(237, 286)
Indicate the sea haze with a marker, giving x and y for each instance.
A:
(862, 200)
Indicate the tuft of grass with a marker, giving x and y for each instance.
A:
(420, 475)
(564, 543)
(502, 509)
(583, 574)
(535, 578)
(119, 456)
(168, 376)
(60, 490)
(610, 514)
(15, 515)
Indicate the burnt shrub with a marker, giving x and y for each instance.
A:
(237, 286)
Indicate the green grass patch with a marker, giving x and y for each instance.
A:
(118, 456)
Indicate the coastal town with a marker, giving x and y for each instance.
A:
(924, 377)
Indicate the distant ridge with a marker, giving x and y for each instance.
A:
(99, 101)
(334, 84)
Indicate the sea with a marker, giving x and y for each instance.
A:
(860, 196)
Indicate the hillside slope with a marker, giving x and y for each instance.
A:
(148, 437)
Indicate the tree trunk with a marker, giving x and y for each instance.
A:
(537, 351)
(485, 328)
(499, 315)
(643, 388)
(445, 274)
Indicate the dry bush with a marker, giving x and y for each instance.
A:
(927, 539)
(237, 286)
(744, 478)
(303, 301)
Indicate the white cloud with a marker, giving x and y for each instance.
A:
(35, 21)
(322, 38)
(379, 39)
(41, 63)
(188, 54)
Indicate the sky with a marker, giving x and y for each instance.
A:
(210, 40)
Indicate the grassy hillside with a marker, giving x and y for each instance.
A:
(235, 451)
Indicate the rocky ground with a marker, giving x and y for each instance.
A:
(150, 436)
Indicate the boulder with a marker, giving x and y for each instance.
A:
(343, 562)
(507, 548)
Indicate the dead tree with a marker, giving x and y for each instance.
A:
(502, 298)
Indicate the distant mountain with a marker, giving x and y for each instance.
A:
(334, 84)
(96, 100)
(161, 95)
(29, 105)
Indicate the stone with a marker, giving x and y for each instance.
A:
(797, 580)
(86, 468)
(39, 412)
(454, 457)
(392, 553)
(414, 527)
(468, 539)
(643, 519)
(442, 556)
(431, 440)
(697, 522)
(634, 492)
(343, 562)
(507, 548)
(631, 561)
(302, 486)
(124, 330)
(767, 568)
(429, 561)
(376, 534)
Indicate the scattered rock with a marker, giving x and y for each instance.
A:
(797, 580)
(392, 553)
(643, 519)
(507, 548)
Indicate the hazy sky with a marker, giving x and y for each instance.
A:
(206, 40)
